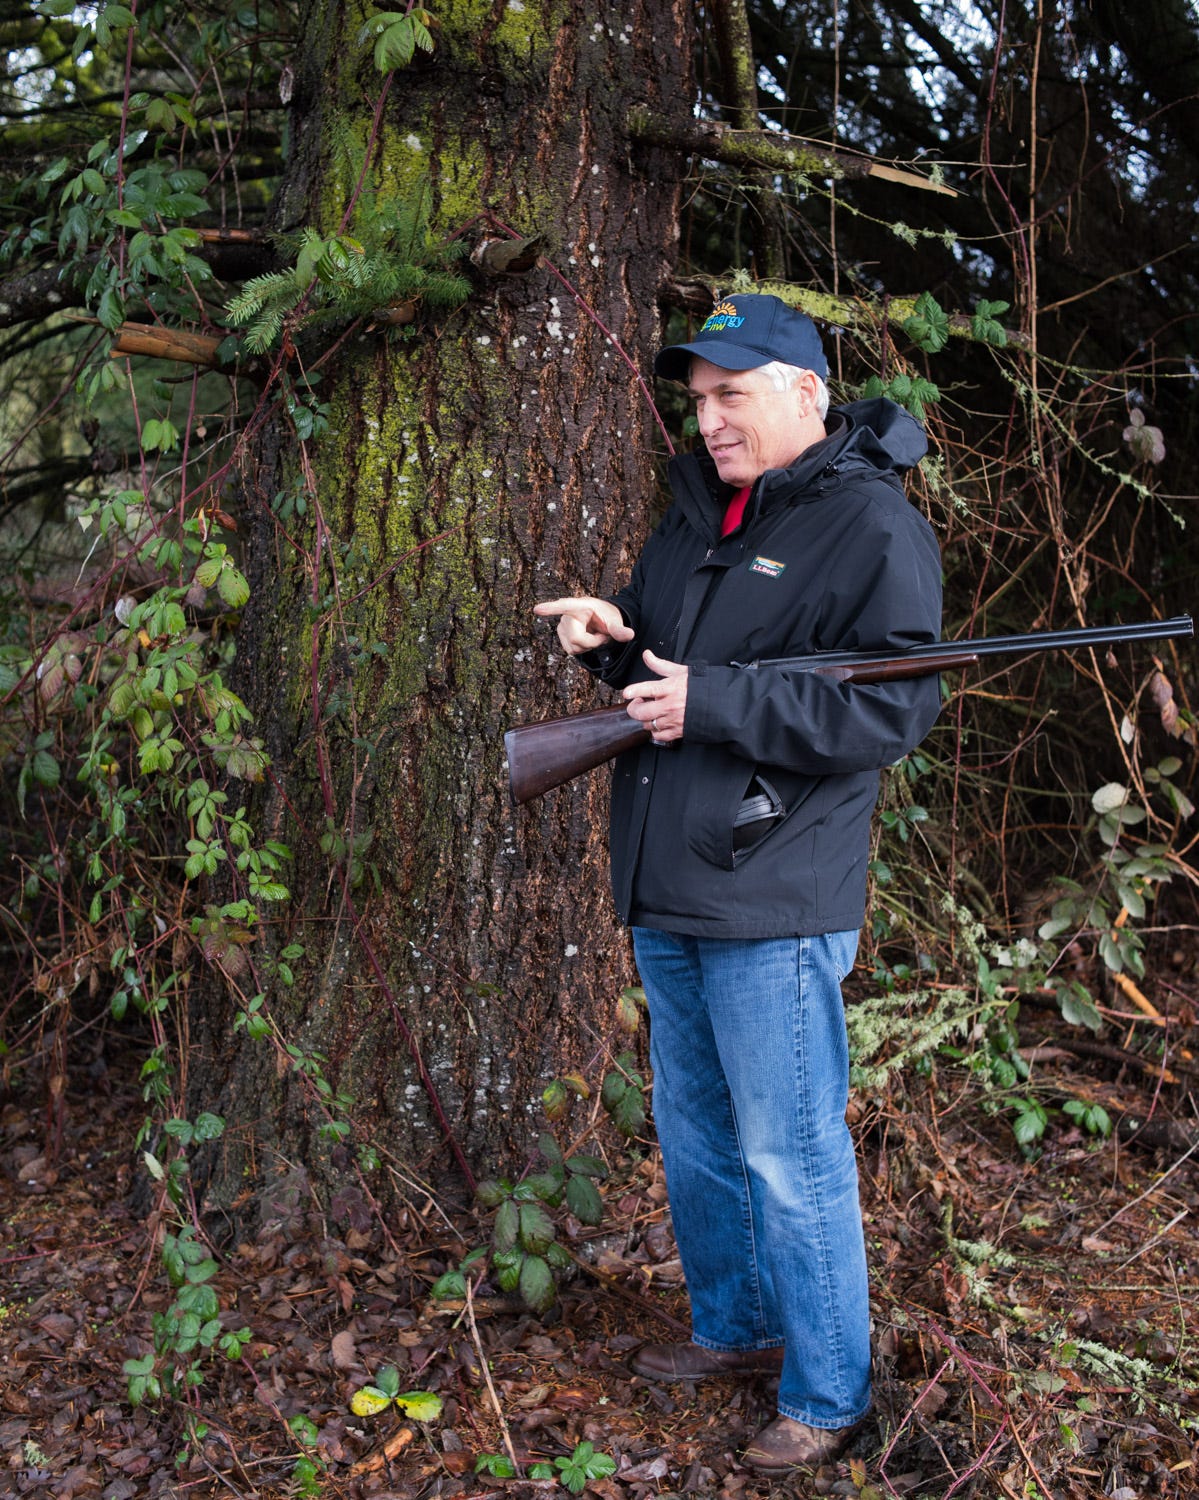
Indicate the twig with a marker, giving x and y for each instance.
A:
(1152, 1188)
(483, 1365)
(618, 1289)
(1160, 1235)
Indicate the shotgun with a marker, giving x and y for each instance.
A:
(543, 756)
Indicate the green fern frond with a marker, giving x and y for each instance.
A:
(390, 259)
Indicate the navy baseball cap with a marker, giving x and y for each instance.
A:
(744, 332)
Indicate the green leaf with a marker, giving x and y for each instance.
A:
(985, 326)
(584, 1202)
(159, 433)
(233, 587)
(492, 1192)
(449, 1287)
(586, 1166)
(629, 1113)
(498, 1465)
(536, 1283)
(1079, 1009)
(928, 327)
(45, 769)
(545, 1186)
(614, 1088)
(507, 1226)
(395, 46)
(1109, 952)
(506, 1266)
(368, 1400)
(421, 1406)
(1109, 797)
(584, 1464)
(160, 115)
(1029, 1125)
(208, 1127)
(536, 1229)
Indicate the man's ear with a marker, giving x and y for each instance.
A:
(805, 388)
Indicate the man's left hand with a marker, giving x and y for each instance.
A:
(660, 705)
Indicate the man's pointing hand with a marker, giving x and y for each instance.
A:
(584, 624)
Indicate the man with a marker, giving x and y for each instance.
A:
(739, 842)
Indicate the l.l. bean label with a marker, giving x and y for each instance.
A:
(767, 566)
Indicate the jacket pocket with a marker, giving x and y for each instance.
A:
(761, 811)
(713, 802)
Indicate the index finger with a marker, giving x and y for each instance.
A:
(581, 609)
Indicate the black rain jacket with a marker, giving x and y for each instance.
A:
(830, 555)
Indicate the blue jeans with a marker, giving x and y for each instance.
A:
(751, 1080)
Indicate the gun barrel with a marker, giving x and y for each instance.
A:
(995, 645)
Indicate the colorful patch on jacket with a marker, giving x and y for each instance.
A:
(768, 566)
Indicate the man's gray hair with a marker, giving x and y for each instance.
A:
(782, 377)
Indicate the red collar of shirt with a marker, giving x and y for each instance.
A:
(734, 513)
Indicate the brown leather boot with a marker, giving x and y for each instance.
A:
(786, 1445)
(693, 1362)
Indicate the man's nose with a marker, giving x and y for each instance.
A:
(710, 419)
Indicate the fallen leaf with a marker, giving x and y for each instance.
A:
(345, 1354)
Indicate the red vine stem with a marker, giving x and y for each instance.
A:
(599, 323)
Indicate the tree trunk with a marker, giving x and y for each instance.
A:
(487, 458)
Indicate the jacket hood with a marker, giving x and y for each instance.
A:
(882, 432)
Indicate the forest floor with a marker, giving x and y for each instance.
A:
(1034, 1317)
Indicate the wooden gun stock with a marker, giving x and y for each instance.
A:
(545, 755)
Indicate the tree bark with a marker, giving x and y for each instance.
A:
(495, 455)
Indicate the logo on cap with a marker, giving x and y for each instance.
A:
(724, 315)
